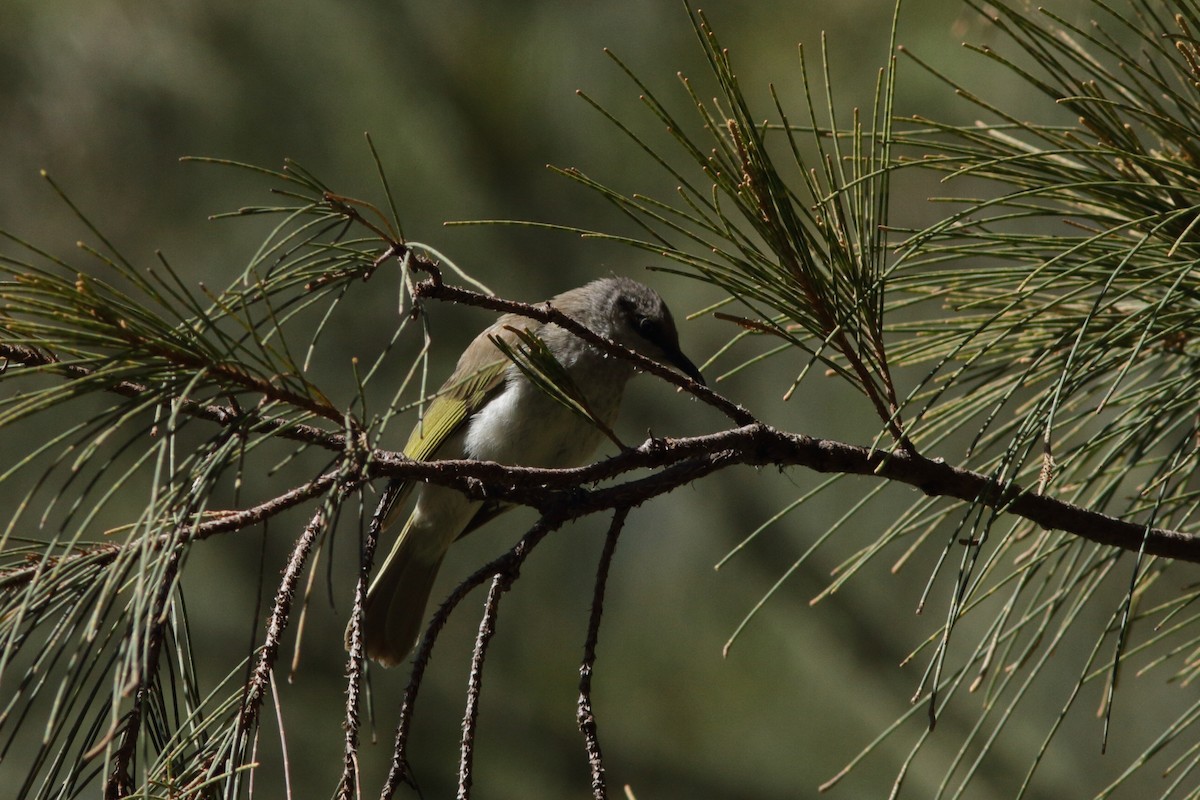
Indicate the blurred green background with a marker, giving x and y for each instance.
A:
(467, 102)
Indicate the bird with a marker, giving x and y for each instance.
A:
(489, 410)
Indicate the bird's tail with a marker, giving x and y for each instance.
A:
(395, 607)
(396, 599)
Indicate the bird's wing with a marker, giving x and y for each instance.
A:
(467, 390)
(478, 377)
(454, 403)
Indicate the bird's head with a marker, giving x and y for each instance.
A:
(634, 315)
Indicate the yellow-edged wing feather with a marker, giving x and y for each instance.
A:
(477, 378)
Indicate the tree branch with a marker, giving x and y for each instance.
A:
(222, 415)
(559, 494)
(217, 522)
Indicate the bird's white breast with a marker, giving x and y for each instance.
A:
(524, 426)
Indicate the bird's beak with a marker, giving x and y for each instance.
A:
(684, 364)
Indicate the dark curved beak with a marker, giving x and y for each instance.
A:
(679, 361)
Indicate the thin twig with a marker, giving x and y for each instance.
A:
(584, 714)
(219, 522)
(501, 581)
(278, 621)
(212, 412)
(356, 663)
(399, 771)
(510, 568)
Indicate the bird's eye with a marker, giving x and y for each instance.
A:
(647, 328)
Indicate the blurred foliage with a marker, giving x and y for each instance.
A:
(466, 105)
